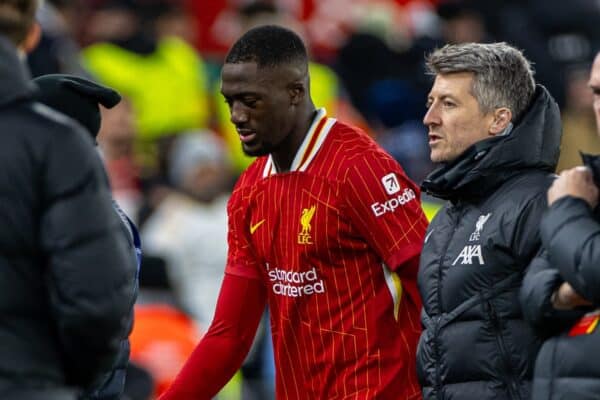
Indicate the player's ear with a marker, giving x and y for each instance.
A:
(297, 91)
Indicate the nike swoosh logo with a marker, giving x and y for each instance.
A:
(254, 227)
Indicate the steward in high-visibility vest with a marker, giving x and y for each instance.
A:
(168, 88)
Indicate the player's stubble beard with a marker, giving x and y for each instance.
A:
(263, 150)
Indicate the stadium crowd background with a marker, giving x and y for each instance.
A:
(173, 156)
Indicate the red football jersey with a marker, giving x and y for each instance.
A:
(336, 242)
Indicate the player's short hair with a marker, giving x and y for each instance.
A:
(16, 18)
(268, 46)
(503, 76)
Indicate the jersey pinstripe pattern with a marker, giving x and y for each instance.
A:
(344, 324)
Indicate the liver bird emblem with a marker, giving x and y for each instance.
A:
(307, 215)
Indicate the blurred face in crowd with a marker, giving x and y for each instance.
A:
(454, 118)
(117, 131)
(263, 105)
(206, 181)
(595, 86)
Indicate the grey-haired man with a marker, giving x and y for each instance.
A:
(496, 136)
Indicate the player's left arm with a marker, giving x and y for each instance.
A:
(385, 206)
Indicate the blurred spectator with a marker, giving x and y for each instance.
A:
(382, 86)
(116, 142)
(58, 52)
(571, 28)
(462, 22)
(364, 59)
(161, 341)
(170, 19)
(579, 128)
(139, 51)
(552, 33)
(188, 227)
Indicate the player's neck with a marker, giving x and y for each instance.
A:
(285, 154)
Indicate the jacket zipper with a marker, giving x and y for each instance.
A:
(436, 351)
(437, 319)
(441, 260)
(511, 385)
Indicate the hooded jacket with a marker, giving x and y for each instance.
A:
(475, 344)
(67, 274)
(567, 366)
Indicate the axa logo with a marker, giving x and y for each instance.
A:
(468, 254)
(306, 217)
(478, 227)
(390, 183)
(390, 206)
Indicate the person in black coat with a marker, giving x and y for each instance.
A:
(67, 275)
(496, 135)
(80, 99)
(561, 291)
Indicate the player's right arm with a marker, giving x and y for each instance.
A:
(222, 350)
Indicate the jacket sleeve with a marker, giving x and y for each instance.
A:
(541, 280)
(572, 236)
(90, 272)
(526, 242)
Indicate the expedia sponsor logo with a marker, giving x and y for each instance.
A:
(295, 283)
(390, 183)
(390, 206)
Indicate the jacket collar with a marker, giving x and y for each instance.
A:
(534, 143)
(14, 79)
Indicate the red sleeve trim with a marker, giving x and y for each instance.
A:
(400, 257)
(243, 272)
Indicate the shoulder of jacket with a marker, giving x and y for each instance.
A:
(35, 118)
(524, 187)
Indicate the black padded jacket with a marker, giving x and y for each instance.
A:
(475, 344)
(567, 366)
(67, 274)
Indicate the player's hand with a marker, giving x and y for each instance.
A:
(577, 182)
(566, 298)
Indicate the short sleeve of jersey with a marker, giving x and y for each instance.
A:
(385, 207)
(240, 256)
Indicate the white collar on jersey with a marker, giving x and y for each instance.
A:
(310, 146)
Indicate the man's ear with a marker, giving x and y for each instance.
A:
(32, 39)
(297, 91)
(502, 117)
